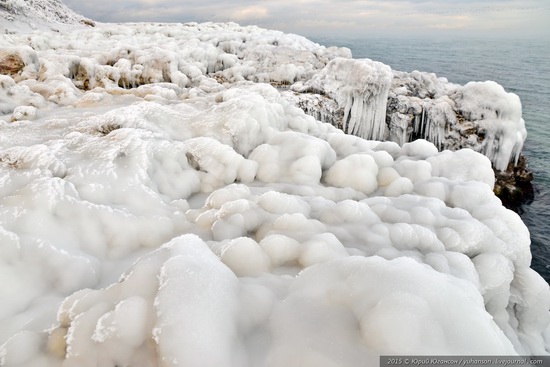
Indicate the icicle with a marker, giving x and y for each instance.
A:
(381, 114)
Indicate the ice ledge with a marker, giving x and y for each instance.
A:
(479, 115)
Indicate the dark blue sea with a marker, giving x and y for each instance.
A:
(520, 66)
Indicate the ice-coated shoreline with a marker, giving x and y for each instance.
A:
(163, 201)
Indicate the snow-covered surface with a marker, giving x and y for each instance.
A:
(160, 205)
(25, 15)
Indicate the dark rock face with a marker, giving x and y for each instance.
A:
(322, 107)
(514, 186)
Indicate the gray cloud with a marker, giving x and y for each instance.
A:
(506, 18)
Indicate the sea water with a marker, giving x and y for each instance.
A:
(520, 66)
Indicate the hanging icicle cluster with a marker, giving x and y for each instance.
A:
(361, 88)
(434, 122)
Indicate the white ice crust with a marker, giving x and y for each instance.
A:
(161, 204)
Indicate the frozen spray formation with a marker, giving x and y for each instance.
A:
(361, 87)
(353, 94)
(480, 115)
(162, 204)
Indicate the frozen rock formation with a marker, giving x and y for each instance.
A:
(162, 204)
(360, 88)
(480, 115)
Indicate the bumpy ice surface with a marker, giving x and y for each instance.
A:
(160, 205)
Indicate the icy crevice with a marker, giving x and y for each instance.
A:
(434, 123)
(321, 107)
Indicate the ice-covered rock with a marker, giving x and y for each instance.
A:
(162, 204)
(498, 115)
(479, 115)
(360, 88)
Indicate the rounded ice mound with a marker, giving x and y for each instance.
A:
(218, 163)
(321, 248)
(245, 257)
(279, 203)
(281, 249)
(464, 164)
(362, 294)
(420, 148)
(485, 100)
(293, 157)
(358, 171)
(399, 186)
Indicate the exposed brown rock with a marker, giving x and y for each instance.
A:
(10, 63)
(88, 22)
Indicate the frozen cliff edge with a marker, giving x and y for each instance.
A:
(480, 115)
(162, 204)
(367, 99)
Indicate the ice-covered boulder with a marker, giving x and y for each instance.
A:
(498, 117)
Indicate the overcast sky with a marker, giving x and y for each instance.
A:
(391, 18)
